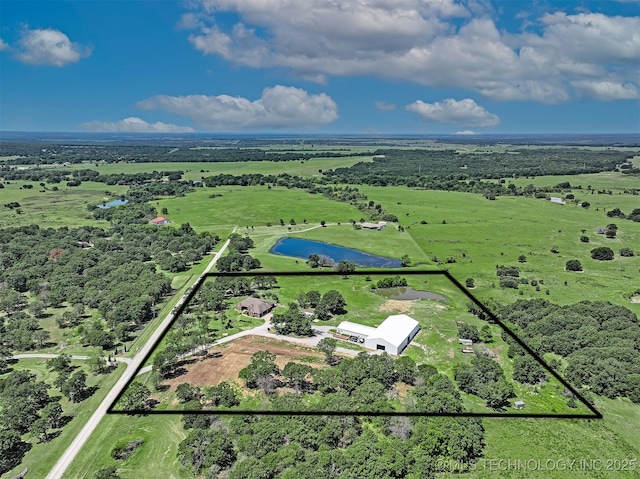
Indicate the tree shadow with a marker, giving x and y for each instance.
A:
(87, 393)
(176, 373)
(64, 420)
(50, 437)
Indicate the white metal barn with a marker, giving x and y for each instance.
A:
(393, 335)
(354, 329)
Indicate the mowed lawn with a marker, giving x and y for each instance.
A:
(65, 207)
(480, 234)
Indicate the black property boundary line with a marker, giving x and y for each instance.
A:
(194, 289)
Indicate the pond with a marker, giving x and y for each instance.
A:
(105, 206)
(407, 294)
(302, 248)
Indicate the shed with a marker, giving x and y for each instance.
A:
(518, 404)
(467, 350)
(354, 329)
(555, 199)
(465, 342)
(255, 307)
(160, 220)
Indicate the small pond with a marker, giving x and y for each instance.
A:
(105, 206)
(408, 294)
(302, 248)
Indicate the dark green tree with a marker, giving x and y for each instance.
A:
(328, 346)
(573, 265)
(295, 374)
(602, 253)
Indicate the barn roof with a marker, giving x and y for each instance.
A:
(357, 328)
(395, 329)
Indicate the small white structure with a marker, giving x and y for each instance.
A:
(518, 404)
(393, 335)
(465, 342)
(555, 199)
(354, 329)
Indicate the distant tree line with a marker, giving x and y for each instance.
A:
(43, 154)
(412, 167)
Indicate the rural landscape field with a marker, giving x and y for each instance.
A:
(94, 286)
(342, 239)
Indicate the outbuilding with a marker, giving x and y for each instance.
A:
(160, 220)
(360, 331)
(393, 335)
(518, 405)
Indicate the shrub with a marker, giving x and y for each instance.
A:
(573, 265)
(584, 239)
(469, 283)
(602, 253)
(522, 258)
(628, 252)
(508, 282)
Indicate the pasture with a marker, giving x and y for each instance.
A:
(253, 206)
(48, 208)
(198, 170)
(480, 234)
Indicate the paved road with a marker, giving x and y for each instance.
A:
(71, 452)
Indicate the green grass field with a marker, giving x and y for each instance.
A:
(54, 209)
(253, 206)
(198, 170)
(480, 234)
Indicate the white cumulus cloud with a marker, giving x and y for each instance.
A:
(464, 112)
(49, 47)
(606, 90)
(278, 107)
(3, 45)
(133, 125)
(437, 43)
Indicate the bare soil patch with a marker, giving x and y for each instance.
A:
(396, 305)
(230, 358)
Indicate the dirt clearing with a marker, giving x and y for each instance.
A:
(236, 355)
(397, 305)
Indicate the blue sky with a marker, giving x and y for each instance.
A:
(348, 66)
